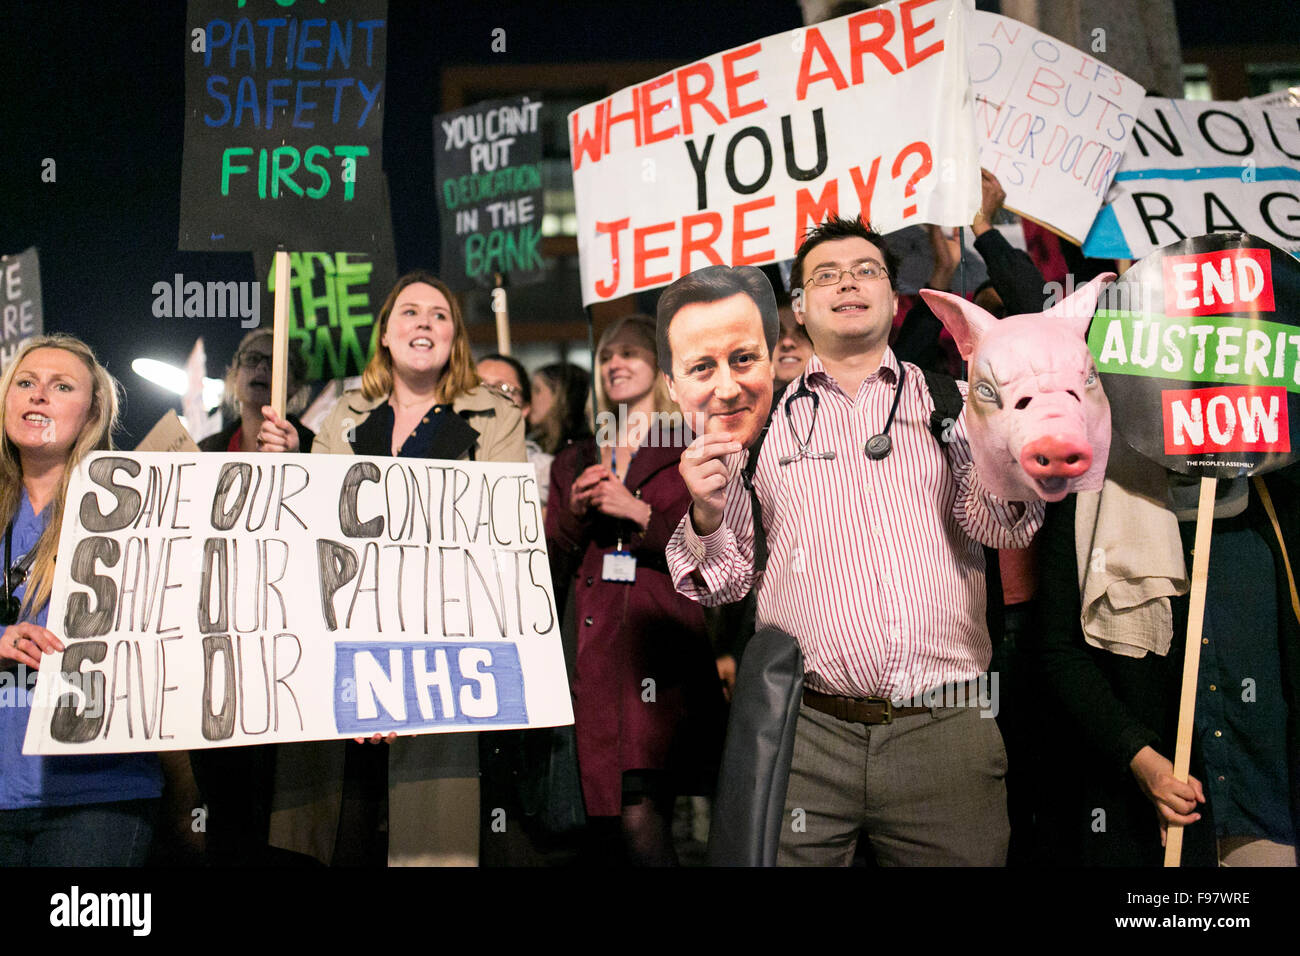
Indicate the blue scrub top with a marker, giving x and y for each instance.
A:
(57, 781)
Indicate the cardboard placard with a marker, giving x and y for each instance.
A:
(1052, 121)
(1193, 168)
(283, 125)
(487, 159)
(729, 160)
(21, 316)
(1198, 346)
(217, 600)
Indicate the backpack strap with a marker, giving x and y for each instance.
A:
(947, 402)
(747, 476)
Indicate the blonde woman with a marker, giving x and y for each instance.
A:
(420, 398)
(59, 405)
(647, 703)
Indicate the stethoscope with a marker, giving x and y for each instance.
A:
(877, 447)
(14, 575)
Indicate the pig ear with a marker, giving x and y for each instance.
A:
(965, 321)
(1077, 308)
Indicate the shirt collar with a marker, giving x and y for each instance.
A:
(817, 376)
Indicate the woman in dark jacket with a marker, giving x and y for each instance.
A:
(647, 703)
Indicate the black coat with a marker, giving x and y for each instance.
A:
(1099, 709)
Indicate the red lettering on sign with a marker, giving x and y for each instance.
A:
(698, 97)
(705, 245)
(813, 211)
(642, 255)
(735, 81)
(815, 43)
(1201, 421)
(1212, 283)
(741, 235)
(606, 289)
(913, 30)
(652, 108)
(860, 46)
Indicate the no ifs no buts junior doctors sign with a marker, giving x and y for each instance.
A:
(1199, 351)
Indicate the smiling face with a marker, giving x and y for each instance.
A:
(793, 349)
(48, 402)
(627, 369)
(722, 373)
(848, 315)
(419, 332)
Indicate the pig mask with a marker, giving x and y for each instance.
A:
(1038, 420)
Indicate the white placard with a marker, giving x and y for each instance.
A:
(731, 159)
(1052, 121)
(1194, 167)
(212, 600)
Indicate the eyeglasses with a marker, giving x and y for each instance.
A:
(254, 359)
(863, 272)
(511, 393)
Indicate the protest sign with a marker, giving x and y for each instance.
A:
(20, 302)
(283, 125)
(1196, 167)
(334, 302)
(487, 160)
(217, 600)
(167, 434)
(731, 159)
(1198, 346)
(1051, 120)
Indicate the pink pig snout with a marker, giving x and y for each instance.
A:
(1053, 460)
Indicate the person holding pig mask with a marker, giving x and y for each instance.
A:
(647, 704)
(872, 525)
(416, 802)
(60, 404)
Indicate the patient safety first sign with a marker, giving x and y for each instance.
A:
(1199, 351)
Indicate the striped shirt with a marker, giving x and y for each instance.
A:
(875, 567)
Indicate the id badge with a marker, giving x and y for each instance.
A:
(619, 566)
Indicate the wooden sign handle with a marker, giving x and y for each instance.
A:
(1192, 656)
(500, 310)
(280, 334)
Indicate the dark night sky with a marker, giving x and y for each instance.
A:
(100, 89)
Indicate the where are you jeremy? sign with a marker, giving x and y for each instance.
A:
(1198, 346)
(218, 600)
(732, 158)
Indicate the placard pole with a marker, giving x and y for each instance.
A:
(280, 333)
(500, 309)
(1192, 656)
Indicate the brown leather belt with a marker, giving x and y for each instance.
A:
(859, 710)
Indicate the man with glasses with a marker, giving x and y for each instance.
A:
(873, 533)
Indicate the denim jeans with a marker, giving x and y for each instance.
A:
(91, 834)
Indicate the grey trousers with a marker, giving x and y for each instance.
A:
(927, 790)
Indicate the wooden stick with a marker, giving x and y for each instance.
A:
(1192, 656)
(280, 334)
(501, 311)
